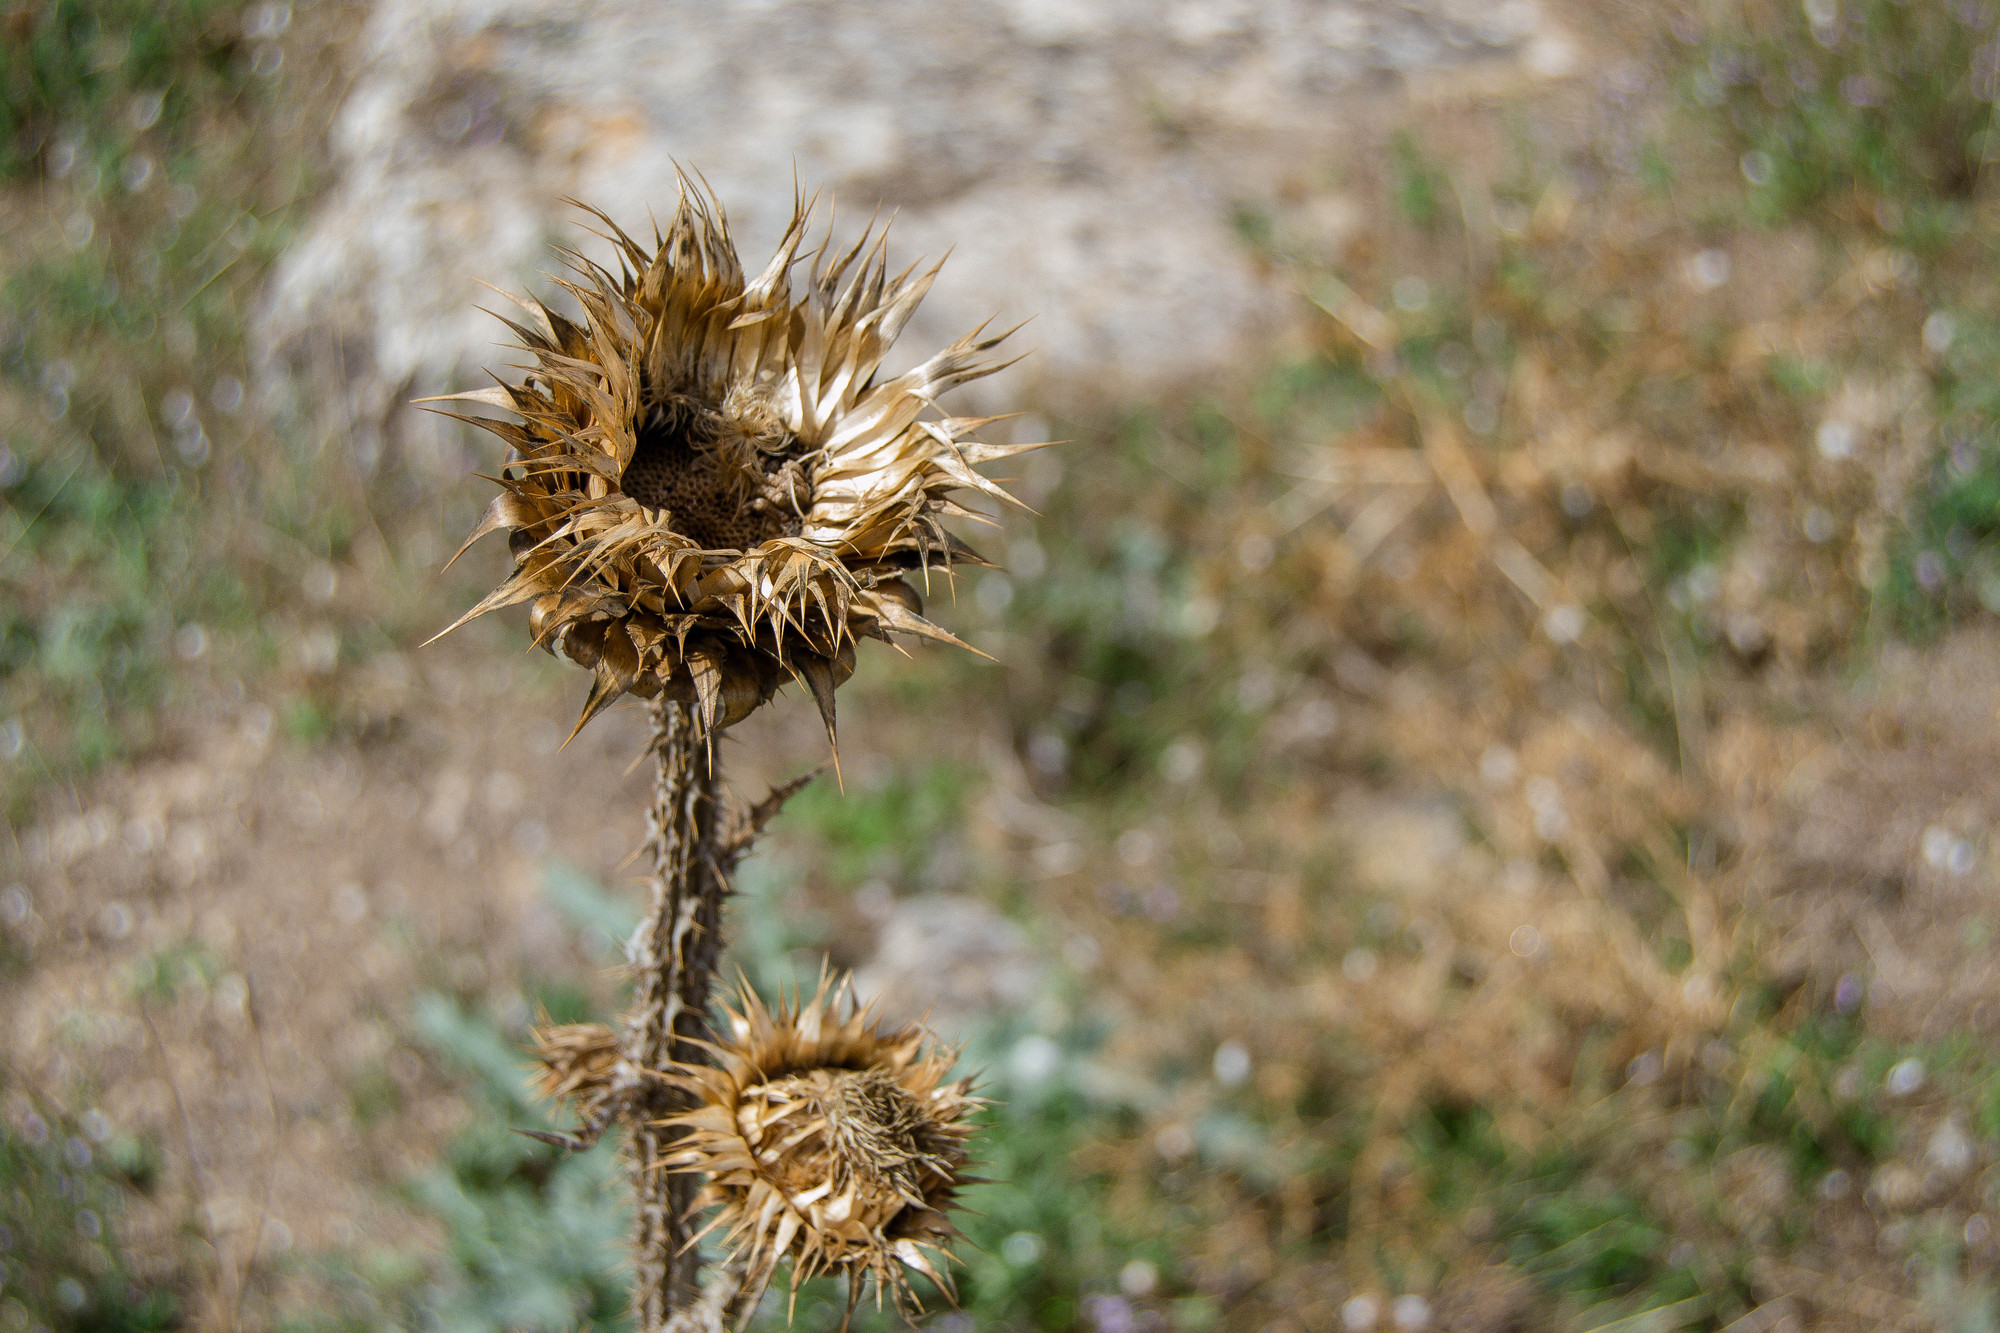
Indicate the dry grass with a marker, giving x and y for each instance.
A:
(240, 930)
(1542, 943)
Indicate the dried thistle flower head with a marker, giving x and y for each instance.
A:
(579, 1064)
(708, 488)
(829, 1141)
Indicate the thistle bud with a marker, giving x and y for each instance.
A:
(829, 1141)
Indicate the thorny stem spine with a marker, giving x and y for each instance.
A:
(673, 958)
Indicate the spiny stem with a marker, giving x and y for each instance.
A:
(673, 957)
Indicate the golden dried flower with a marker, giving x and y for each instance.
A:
(708, 488)
(827, 1140)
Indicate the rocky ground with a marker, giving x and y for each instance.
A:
(1082, 162)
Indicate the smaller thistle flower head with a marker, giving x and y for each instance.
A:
(709, 486)
(829, 1141)
(579, 1064)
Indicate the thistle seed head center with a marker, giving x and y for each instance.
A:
(725, 482)
(873, 1132)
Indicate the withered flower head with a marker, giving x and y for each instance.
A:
(827, 1140)
(579, 1064)
(709, 488)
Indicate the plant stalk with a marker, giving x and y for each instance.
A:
(673, 957)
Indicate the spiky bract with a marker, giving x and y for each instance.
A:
(828, 1140)
(709, 489)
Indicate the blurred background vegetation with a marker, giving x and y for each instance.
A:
(1372, 752)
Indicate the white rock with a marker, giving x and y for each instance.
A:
(1950, 1149)
(949, 956)
(1084, 158)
